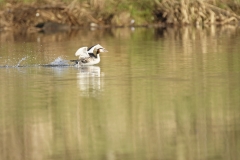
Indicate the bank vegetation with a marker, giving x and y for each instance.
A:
(47, 15)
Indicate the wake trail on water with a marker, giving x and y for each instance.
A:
(58, 62)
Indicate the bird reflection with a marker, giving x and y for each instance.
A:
(89, 80)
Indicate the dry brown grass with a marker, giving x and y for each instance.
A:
(17, 15)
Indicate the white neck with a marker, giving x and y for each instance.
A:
(98, 56)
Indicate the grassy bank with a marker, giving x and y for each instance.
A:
(32, 15)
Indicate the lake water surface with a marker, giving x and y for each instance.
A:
(156, 95)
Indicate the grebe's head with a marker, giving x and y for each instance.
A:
(101, 50)
(96, 48)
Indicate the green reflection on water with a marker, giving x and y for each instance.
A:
(171, 94)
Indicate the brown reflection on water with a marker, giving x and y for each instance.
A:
(182, 103)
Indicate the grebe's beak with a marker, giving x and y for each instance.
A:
(103, 50)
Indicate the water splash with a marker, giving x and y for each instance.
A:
(59, 62)
(23, 59)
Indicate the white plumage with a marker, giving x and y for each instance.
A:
(82, 52)
(87, 56)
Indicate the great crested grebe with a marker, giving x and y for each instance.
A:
(87, 56)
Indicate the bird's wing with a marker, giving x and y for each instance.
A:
(82, 52)
(92, 47)
(98, 46)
